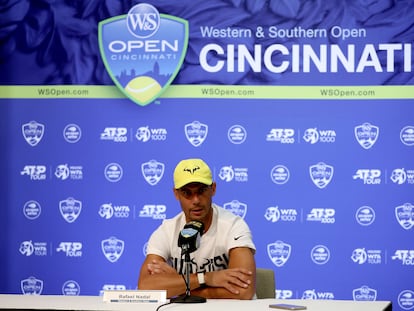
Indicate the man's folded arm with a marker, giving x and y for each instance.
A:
(157, 274)
(236, 282)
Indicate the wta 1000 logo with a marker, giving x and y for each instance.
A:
(143, 51)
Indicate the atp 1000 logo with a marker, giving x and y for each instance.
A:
(143, 51)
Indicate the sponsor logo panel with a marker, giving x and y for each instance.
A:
(143, 51)
(152, 171)
(280, 174)
(320, 254)
(237, 134)
(229, 173)
(71, 288)
(196, 133)
(112, 248)
(314, 135)
(276, 214)
(33, 132)
(31, 286)
(313, 294)
(72, 133)
(236, 207)
(407, 135)
(321, 174)
(154, 211)
(364, 293)
(366, 135)
(279, 252)
(406, 299)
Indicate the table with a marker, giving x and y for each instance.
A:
(95, 303)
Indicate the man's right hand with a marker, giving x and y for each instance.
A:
(158, 267)
(230, 279)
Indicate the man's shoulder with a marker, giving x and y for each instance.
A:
(172, 222)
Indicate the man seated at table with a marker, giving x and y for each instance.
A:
(223, 266)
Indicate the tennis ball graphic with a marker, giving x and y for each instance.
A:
(143, 88)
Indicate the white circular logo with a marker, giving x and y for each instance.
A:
(237, 134)
(72, 133)
(113, 172)
(407, 135)
(406, 299)
(71, 288)
(143, 20)
(320, 254)
(280, 174)
(365, 215)
(32, 209)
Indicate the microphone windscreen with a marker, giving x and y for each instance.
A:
(197, 225)
(189, 237)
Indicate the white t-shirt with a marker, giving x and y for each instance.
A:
(227, 231)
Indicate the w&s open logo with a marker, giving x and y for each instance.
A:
(143, 51)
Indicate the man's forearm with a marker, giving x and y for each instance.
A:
(173, 283)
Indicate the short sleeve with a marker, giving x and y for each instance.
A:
(158, 243)
(240, 235)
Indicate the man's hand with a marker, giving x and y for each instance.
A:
(156, 274)
(235, 282)
(158, 267)
(230, 279)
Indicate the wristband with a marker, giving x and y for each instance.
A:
(201, 279)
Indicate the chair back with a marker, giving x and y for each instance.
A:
(265, 283)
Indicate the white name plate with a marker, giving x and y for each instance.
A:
(135, 296)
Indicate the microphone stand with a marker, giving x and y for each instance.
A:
(187, 297)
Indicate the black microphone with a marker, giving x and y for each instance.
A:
(189, 241)
(189, 237)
